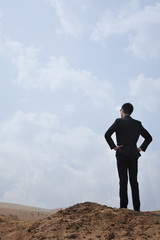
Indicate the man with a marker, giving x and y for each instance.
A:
(127, 132)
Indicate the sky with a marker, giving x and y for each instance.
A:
(66, 68)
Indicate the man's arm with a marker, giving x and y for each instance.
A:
(147, 139)
(109, 133)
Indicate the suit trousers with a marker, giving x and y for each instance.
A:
(128, 166)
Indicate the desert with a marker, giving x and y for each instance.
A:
(86, 220)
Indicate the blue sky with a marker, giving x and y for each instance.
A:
(66, 69)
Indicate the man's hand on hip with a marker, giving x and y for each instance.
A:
(117, 147)
(139, 149)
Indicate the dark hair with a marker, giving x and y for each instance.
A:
(127, 108)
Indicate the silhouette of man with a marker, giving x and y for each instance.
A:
(127, 132)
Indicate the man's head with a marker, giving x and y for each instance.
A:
(126, 109)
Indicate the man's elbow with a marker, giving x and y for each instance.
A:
(106, 135)
(150, 139)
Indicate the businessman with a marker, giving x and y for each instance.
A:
(127, 132)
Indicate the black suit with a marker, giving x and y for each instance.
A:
(127, 132)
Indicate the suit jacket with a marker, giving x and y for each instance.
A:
(127, 132)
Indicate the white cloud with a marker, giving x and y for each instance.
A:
(58, 75)
(15, 125)
(148, 177)
(25, 60)
(69, 108)
(14, 46)
(71, 24)
(0, 24)
(146, 92)
(55, 166)
(140, 27)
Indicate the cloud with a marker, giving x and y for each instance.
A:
(71, 24)
(148, 178)
(56, 75)
(146, 92)
(69, 108)
(140, 27)
(51, 165)
(0, 23)
(15, 46)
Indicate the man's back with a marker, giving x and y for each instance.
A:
(127, 132)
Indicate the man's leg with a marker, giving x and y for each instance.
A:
(133, 171)
(122, 166)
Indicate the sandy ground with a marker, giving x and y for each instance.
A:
(84, 221)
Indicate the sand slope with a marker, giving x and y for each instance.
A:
(85, 221)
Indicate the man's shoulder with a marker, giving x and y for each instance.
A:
(136, 121)
(118, 120)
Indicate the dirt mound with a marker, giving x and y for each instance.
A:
(85, 221)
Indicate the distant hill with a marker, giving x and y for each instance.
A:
(25, 212)
(89, 221)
